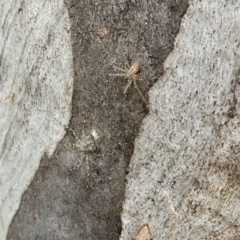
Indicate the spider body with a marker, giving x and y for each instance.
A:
(132, 71)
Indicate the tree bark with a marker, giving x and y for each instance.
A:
(36, 82)
(184, 175)
(183, 178)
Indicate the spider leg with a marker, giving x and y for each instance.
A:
(127, 87)
(120, 69)
(136, 86)
(117, 74)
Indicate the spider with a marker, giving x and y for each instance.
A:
(130, 74)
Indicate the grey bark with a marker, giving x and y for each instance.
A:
(183, 177)
(36, 82)
(77, 194)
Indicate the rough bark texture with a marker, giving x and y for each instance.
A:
(183, 180)
(184, 176)
(36, 82)
(77, 194)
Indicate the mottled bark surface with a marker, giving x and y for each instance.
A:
(78, 192)
(36, 85)
(184, 175)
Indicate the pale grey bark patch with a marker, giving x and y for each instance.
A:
(36, 81)
(184, 175)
